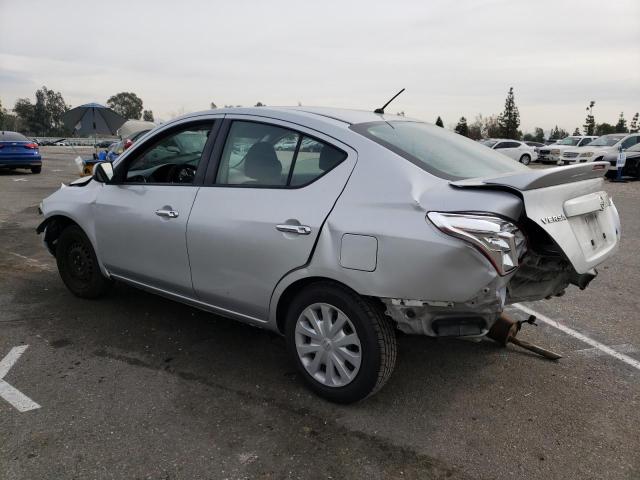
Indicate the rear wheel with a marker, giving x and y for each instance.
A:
(37, 169)
(343, 345)
(525, 159)
(78, 265)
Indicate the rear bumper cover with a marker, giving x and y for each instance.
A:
(20, 161)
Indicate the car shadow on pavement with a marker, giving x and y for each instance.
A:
(146, 330)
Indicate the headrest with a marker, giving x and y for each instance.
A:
(261, 163)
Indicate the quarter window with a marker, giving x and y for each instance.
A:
(259, 154)
(313, 160)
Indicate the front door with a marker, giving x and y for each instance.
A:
(141, 216)
(260, 217)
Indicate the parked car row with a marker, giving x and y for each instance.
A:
(605, 148)
(553, 152)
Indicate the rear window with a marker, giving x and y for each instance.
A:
(438, 151)
(12, 137)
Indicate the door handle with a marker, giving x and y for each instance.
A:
(297, 229)
(163, 212)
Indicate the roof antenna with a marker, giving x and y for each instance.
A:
(381, 110)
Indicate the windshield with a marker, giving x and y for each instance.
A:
(489, 143)
(606, 141)
(569, 141)
(438, 151)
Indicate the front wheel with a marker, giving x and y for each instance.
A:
(525, 159)
(78, 265)
(343, 345)
(36, 169)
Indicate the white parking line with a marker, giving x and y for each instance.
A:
(32, 262)
(11, 394)
(570, 331)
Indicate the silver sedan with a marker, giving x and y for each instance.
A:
(333, 228)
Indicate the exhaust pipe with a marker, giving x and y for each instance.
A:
(505, 329)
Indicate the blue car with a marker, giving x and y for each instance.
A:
(17, 151)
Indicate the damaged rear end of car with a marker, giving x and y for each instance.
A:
(538, 231)
(567, 226)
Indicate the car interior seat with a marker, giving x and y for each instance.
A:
(261, 164)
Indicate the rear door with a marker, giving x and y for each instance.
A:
(260, 212)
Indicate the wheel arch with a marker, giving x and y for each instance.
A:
(289, 293)
(52, 228)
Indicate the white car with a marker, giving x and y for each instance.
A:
(515, 149)
(604, 148)
(568, 143)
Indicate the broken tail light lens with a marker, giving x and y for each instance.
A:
(497, 239)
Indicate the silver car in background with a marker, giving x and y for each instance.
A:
(333, 228)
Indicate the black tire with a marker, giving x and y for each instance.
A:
(78, 265)
(36, 169)
(525, 159)
(374, 330)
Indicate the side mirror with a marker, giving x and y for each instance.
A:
(103, 172)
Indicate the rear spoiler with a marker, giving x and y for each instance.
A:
(539, 178)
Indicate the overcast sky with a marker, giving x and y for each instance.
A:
(454, 57)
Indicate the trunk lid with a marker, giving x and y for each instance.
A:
(570, 204)
(16, 148)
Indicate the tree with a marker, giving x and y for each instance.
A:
(538, 135)
(462, 128)
(127, 104)
(558, 133)
(475, 129)
(576, 132)
(491, 127)
(23, 109)
(439, 122)
(509, 120)
(633, 127)
(590, 122)
(621, 126)
(147, 116)
(45, 116)
(260, 104)
(213, 106)
(48, 112)
(604, 129)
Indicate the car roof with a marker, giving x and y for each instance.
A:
(342, 115)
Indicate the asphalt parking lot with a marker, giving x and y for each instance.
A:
(136, 386)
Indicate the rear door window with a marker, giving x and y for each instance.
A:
(265, 155)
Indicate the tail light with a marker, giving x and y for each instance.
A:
(32, 146)
(497, 239)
